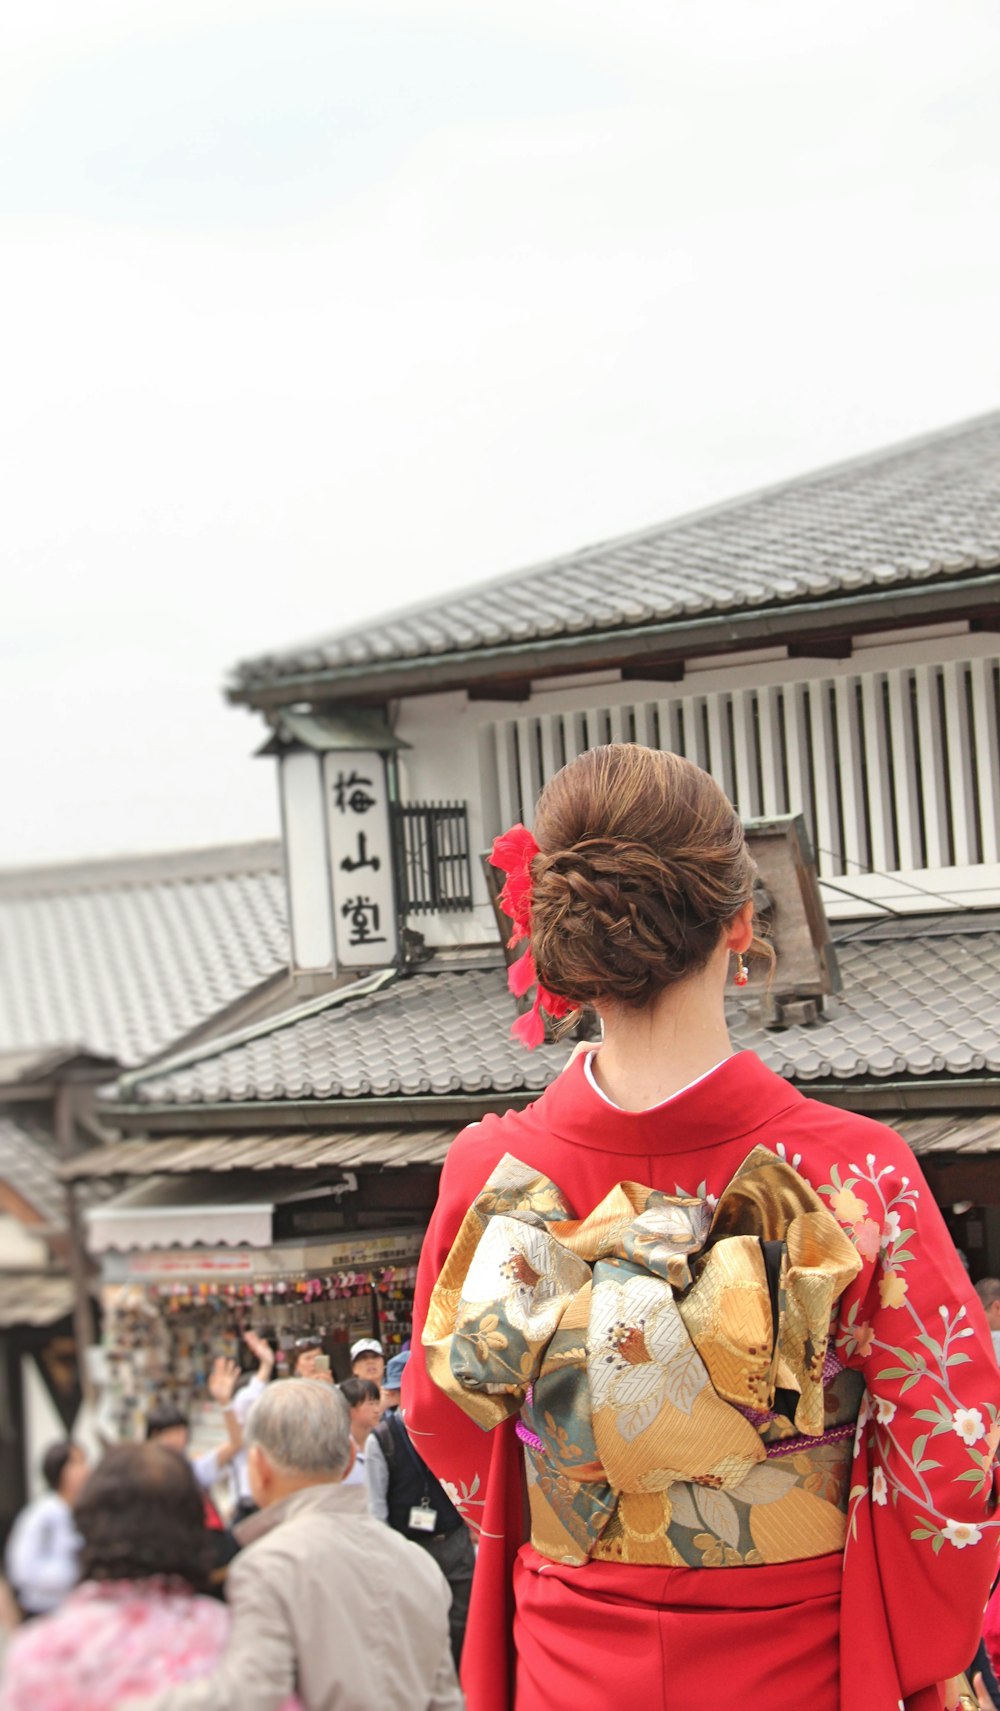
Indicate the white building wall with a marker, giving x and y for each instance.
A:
(20, 1248)
(892, 754)
(451, 760)
(307, 859)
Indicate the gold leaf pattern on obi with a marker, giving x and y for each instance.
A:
(644, 1347)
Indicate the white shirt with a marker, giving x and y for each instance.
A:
(205, 1467)
(357, 1473)
(377, 1478)
(42, 1556)
(243, 1401)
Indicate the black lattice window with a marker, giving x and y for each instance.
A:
(435, 874)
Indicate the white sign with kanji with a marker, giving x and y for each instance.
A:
(364, 896)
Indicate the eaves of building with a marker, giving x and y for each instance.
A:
(907, 536)
(651, 650)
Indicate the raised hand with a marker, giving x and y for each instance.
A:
(261, 1350)
(222, 1380)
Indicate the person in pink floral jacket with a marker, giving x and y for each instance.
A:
(138, 1621)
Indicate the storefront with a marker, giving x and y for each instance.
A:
(169, 1310)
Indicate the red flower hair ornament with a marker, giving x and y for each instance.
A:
(514, 853)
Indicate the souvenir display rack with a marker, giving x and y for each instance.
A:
(394, 1291)
(160, 1337)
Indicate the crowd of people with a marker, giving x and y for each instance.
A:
(268, 1573)
(307, 1561)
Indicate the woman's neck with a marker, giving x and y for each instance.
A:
(648, 1055)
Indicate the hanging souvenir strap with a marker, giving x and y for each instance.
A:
(514, 853)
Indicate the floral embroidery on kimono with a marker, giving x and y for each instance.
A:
(915, 1350)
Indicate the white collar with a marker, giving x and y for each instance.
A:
(588, 1070)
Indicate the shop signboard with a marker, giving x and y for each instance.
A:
(193, 1263)
(361, 858)
(235, 1265)
(370, 1250)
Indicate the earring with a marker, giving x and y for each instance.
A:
(741, 976)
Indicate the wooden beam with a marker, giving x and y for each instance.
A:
(822, 647)
(83, 1313)
(654, 671)
(519, 691)
(15, 1205)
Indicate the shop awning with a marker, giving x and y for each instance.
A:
(34, 1298)
(955, 1134)
(279, 1150)
(355, 1148)
(166, 1214)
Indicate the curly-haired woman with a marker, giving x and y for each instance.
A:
(715, 1332)
(138, 1621)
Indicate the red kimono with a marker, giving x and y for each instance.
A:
(878, 1625)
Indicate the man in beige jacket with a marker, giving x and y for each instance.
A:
(326, 1602)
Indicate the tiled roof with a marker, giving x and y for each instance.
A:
(913, 513)
(428, 1034)
(224, 1154)
(122, 957)
(926, 1005)
(35, 1298)
(912, 1006)
(40, 1063)
(28, 1164)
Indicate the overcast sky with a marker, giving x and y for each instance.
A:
(311, 309)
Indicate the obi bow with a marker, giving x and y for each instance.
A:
(653, 1342)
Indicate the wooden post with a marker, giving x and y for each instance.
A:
(83, 1316)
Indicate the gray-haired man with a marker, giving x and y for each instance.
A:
(326, 1602)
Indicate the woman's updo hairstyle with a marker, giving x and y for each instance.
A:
(643, 862)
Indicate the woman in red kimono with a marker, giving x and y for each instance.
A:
(699, 1357)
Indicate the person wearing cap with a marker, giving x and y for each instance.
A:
(393, 1380)
(367, 1360)
(403, 1492)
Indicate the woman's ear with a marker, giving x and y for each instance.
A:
(739, 935)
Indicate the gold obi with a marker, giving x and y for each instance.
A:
(669, 1363)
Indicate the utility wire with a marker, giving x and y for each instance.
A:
(878, 903)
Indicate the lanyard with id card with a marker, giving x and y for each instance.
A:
(423, 1518)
